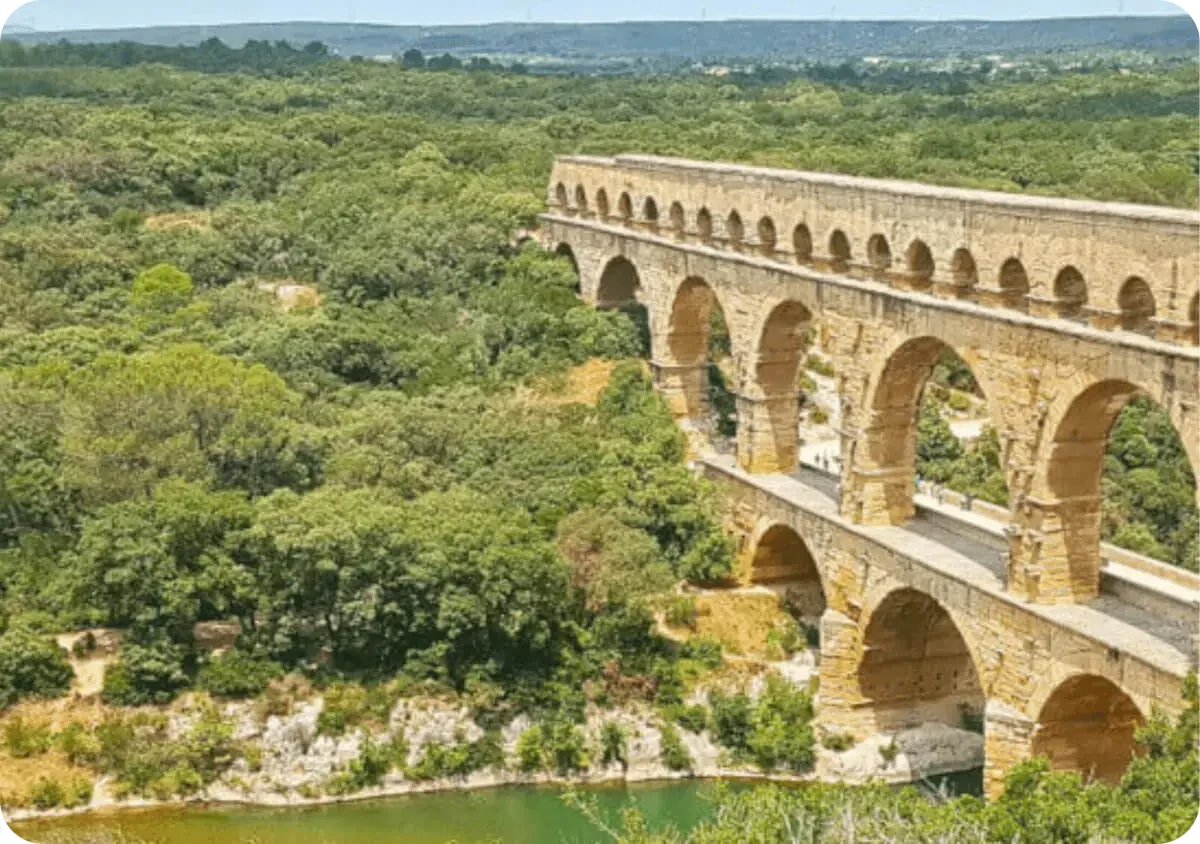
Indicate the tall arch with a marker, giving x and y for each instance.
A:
(563, 250)
(625, 208)
(1087, 725)
(766, 237)
(1014, 283)
(620, 284)
(879, 254)
(735, 230)
(920, 264)
(883, 462)
(560, 196)
(802, 244)
(678, 220)
(963, 270)
(581, 201)
(769, 412)
(704, 225)
(782, 560)
(650, 213)
(839, 252)
(1070, 293)
(1135, 301)
(916, 666)
(602, 204)
(687, 373)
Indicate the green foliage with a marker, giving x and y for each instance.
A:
(672, 751)
(151, 672)
(555, 745)
(31, 666)
(23, 739)
(775, 731)
(614, 744)
(237, 674)
(681, 611)
(693, 718)
(837, 742)
(349, 705)
(440, 761)
(707, 651)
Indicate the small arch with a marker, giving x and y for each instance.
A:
(581, 202)
(678, 219)
(619, 285)
(1070, 293)
(650, 212)
(963, 270)
(920, 264)
(625, 208)
(766, 236)
(735, 230)
(560, 196)
(602, 204)
(782, 560)
(879, 254)
(1014, 283)
(802, 244)
(704, 225)
(1087, 725)
(839, 251)
(1136, 304)
(1194, 317)
(916, 665)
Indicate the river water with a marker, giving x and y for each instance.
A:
(514, 815)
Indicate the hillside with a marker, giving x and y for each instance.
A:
(758, 39)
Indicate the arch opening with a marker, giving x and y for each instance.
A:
(783, 562)
(920, 264)
(619, 289)
(1087, 725)
(839, 252)
(678, 222)
(560, 196)
(1136, 304)
(650, 212)
(916, 667)
(1070, 293)
(704, 225)
(735, 230)
(625, 209)
(602, 204)
(581, 201)
(963, 270)
(563, 250)
(769, 415)
(698, 342)
(879, 254)
(766, 237)
(802, 244)
(1014, 283)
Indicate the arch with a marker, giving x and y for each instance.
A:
(704, 225)
(839, 251)
(1087, 725)
(678, 220)
(766, 236)
(879, 254)
(691, 321)
(1014, 283)
(1194, 318)
(560, 196)
(602, 204)
(581, 202)
(735, 230)
(963, 269)
(692, 382)
(802, 244)
(619, 285)
(916, 666)
(920, 264)
(768, 441)
(564, 250)
(625, 208)
(1135, 301)
(650, 212)
(782, 559)
(1070, 292)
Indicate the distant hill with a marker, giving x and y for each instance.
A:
(812, 40)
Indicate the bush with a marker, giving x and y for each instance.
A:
(80, 746)
(731, 721)
(530, 751)
(46, 793)
(837, 741)
(818, 416)
(694, 719)
(819, 365)
(781, 727)
(681, 611)
(706, 650)
(32, 666)
(440, 761)
(614, 745)
(146, 674)
(24, 739)
(557, 746)
(959, 402)
(349, 705)
(238, 674)
(672, 751)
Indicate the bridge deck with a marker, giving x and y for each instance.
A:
(933, 543)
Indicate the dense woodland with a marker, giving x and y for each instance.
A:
(364, 483)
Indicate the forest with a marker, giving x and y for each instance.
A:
(359, 476)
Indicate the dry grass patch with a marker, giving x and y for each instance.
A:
(197, 221)
(580, 384)
(740, 619)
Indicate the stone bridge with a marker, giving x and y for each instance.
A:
(1063, 309)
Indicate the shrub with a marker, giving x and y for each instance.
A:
(819, 416)
(672, 751)
(146, 674)
(31, 666)
(24, 739)
(959, 402)
(781, 727)
(694, 719)
(681, 611)
(785, 638)
(373, 763)
(80, 746)
(837, 741)
(889, 752)
(731, 721)
(46, 793)
(614, 745)
(557, 746)
(819, 365)
(530, 752)
(349, 705)
(706, 650)
(238, 674)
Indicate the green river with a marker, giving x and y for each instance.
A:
(512, 814)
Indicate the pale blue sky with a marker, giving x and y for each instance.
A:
(78, 14)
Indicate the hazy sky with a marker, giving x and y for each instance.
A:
(72, 14)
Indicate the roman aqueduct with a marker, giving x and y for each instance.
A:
(1063, 309)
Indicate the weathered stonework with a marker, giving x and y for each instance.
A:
(1063, 309)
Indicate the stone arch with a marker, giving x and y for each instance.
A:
(1087, 725)
(802, 244)
(650, 212)
(619, 285)
(581, 201)
(1014, 283)
(678, 220)
(879, 254)
(1135, 301)
(782, 560)
(916, 665)
(704, 225)
(963, 270)
(839, 251)
(920, 264)
(735, 230)
(560, 196)
(766, 237)
(602, 204)
(625, 208)
(1070, 293)
(883, 461)
(564, 250)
